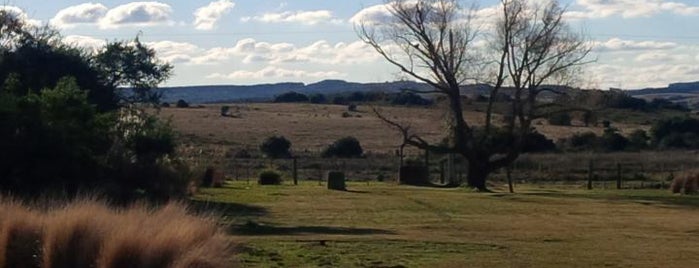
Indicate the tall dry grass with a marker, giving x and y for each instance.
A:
(88, 233)
(688, 183)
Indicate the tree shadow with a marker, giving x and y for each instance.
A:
(227, 209)
(683, 201)
(253, 228)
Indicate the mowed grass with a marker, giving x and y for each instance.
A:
(386, 225)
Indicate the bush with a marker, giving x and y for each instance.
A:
(182, 104)
(536, 142)
(347, 147)
(318, 98)
(276, 147)
(269, 177)
(87, 233)
(560, 119)
(678, 132)
(242, 154)
(613, 141)
(410, 99)
(291, 97)
(638, 139)
(686, 184)
(352, 107)
(340, 100)
(225, 110)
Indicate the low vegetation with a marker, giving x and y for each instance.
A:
(88, 233)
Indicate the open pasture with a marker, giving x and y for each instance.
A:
(386, 225)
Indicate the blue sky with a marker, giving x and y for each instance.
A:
(638, 43)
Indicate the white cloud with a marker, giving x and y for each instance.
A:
(137, 14)
(591, 9)
(617, 44)
(275, 72)
(372, 15)
(321, 52)
(20, 14)
(175, 52)
(656, 75)
(84, 41)
(303, 17)
(205, 18)
(86, 13)
(656, 57)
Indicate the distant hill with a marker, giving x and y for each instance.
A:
(263, 92)
(676, 88)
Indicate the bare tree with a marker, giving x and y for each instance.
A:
(433, 41)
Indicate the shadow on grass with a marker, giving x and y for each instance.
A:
(254, 228)
(228, 209)
(645, 198)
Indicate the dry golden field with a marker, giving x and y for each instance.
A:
(312, 126)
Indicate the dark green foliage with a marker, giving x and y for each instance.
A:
(317, 98)
(612, 141)
(269, 177)
(182, 104)
(347, 147)
(583, 141)
(410, 99)
(336, 181)
(638, 140)
(678, 132)
(536, 142)
(134, 65)
(291, 97)
(340, 100)
(560, 119)
(225, 110)
(62, 129)
(276, 147)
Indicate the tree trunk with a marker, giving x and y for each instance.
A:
(477, 175)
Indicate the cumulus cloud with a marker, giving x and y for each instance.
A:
(275, 72)
(372, 15)
(175, 52)
(303, 17)
(591, 9)
(656, 75)
(87, 13)
(321, 52)
(20, 14)
(137, 14)
(205, 18)
(655, 57)
(617, 44)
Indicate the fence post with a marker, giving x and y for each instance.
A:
(508, 170)
(618, 176)
(590, 174)
(295, 172)
(441, 171)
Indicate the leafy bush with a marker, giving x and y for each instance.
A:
(678, 132)
(638, 139)
(560, 119)
(182, 104)
(347, 147)
(536, 142)
(410, 99)
(225, 110)
(269, 177)
(613, 141)
(276, 147)
(291, 97)
(317, 98)
(587, 140)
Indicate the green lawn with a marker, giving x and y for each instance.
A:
(386, 225)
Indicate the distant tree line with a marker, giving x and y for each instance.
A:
(405, 98)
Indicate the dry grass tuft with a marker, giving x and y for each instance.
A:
(687, 183)
(87, 233)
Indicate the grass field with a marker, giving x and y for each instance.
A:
(386, 225)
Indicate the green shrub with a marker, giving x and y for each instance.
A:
(276, 147)
(182, 104)
(269, 177)
(317, 98)
(560, 119)
(291, 97)
(225, 110)
(347, 147)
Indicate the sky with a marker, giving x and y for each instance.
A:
(637, 43)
